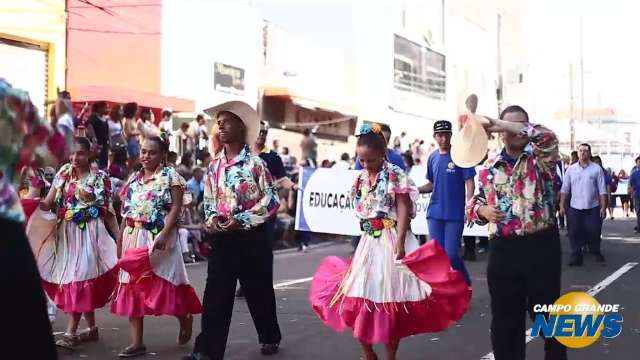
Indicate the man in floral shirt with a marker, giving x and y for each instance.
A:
(239, 198)
(517, 197)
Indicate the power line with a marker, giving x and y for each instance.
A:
(142, 29)
(114, 31)
(101, 8)
(117, 6)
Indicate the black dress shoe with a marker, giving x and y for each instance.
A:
(269, 349)
(599, 257)
(575, 262)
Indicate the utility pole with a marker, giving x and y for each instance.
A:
(66, 44)
(581, 71)
(499, 90)
(572, 121)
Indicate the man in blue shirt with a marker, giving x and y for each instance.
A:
(392, 156)
(448, 184)
(195, 185)
(634, 190)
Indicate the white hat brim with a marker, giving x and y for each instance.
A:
(469, 146)
(245, 112)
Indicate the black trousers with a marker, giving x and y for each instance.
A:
(586, 229)
(470, 243)
(523, 271)
(27, 334)
(244, 256)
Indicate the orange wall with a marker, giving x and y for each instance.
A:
(109, 49)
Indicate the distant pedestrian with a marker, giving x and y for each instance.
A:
(584, 184)
(309, 147)
(634, 189)
(344, 163)
(116, 134)
(100, 128)
(625, 198)
(613, 187)
(131, 134)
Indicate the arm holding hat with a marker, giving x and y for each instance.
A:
(543, 140)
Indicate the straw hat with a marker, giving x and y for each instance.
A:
(242, 110)
(469, 145)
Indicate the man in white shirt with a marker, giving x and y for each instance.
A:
(584, 184)
(166, 125)
(344, 163)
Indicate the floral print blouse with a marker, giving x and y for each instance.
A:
(524, 189)
(13, 154)
(82, 199)
(378, 200)
(149, 202)
(241, 188)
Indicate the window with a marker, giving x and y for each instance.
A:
(419, 69)
(229, 79)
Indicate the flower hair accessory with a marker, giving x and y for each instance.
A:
(370, 128)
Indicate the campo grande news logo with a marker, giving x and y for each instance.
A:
(577, 320)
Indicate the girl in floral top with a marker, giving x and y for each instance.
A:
(77, 264)
(155, 282)
(392, 288)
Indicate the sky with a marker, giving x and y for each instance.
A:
(610, 55)
(328, 23)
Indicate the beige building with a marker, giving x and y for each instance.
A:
(32, 46)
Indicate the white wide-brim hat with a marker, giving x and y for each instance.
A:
(245, 112)
(469, 145)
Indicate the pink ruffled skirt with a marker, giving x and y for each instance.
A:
(383, 300)
(77, 266)
(152, 283)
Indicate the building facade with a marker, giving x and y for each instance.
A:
(33, 46)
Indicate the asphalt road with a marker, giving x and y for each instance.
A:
(305, 337)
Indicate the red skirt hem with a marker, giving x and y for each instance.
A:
(374, 322)
(148, 294)
(83, 296)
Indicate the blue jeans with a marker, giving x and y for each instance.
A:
(449, 234)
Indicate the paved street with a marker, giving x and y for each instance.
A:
(306, 338)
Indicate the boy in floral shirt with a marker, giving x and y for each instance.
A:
(517, 197)
(239, 199)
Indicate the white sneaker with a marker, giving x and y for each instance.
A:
(304, 248)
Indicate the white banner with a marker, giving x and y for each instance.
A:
(325, 203)
(623, 188)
